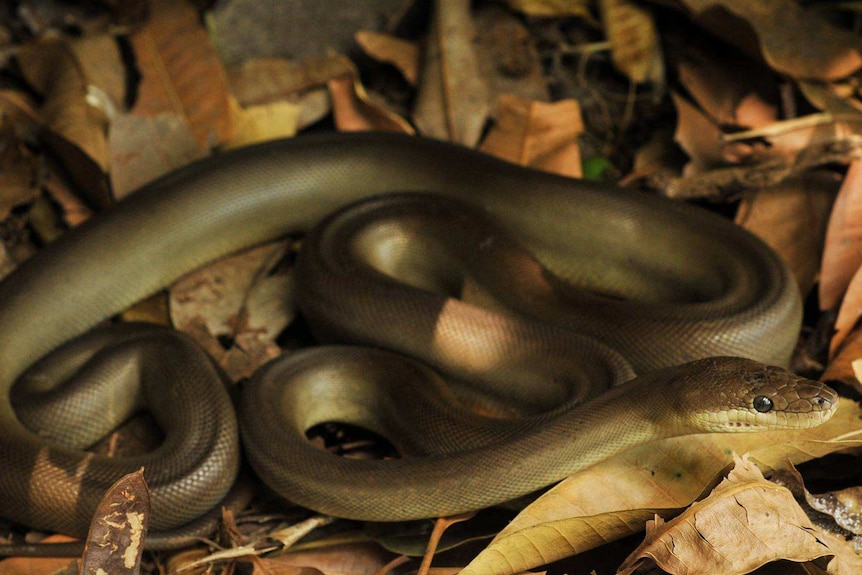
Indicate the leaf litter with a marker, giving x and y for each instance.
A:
(765, 128)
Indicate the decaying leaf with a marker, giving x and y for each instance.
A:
(452, 102)
(536, 134)
(237, 300)
(842, 254)
(402, 54)
(603, 502)
(698, 135)
(794, 40)
(745, 523)
(181, 72)
(118, 530)
(18, 173)
(792, 219)
(849, 312)
(635, 47)
(841, 367)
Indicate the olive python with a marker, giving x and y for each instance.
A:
(655, 282)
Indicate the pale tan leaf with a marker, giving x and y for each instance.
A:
(553, 8)
(536, 134)
(847, 560)
(635, 47)
(794, 40)
(745, 523)
(239, 299)
(181, 73)
(791, 218)
(607, 501)
(263, 122)
(842, 254)
(452, 102)
(402, 54)
(355, 111)
(263, 81)
(144, 147)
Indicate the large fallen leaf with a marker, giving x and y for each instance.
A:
(792, 219)
(181, 73)
(745, 523)
(452, 102)
(842, 254)
(536, 134)
(615, 497)
(794, 40)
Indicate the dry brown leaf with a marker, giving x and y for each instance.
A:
(76, 129)
(402, 54)
(841, 367)
(536, 134)
(346, 559)
(698, 135)
(181, 73)
(452, 102)
(265, 80)
(613, 498)
(794, 40)
(240, 299)
(730, 89)
(18, 172)
(635, 47)
(354, 111)
(792, 219)
(508, 57)
(842, 254)
(743, 524)
(144, 147)
(849, 312)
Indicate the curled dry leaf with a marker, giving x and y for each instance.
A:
(402, 54)
(794, 40)
(355, 111)
(612, 499)
(743, 524)
(791, 218)
(635, 47)
(842, 254)
(536, 134)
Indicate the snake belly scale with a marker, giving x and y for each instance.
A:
(739, 301)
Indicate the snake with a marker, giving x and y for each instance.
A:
(673, 283)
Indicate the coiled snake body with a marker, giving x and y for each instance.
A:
(618, 247)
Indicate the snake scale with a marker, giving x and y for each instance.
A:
(630, 255)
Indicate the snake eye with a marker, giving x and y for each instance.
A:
(763, 404)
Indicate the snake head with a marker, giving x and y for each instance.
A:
(736, 394)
